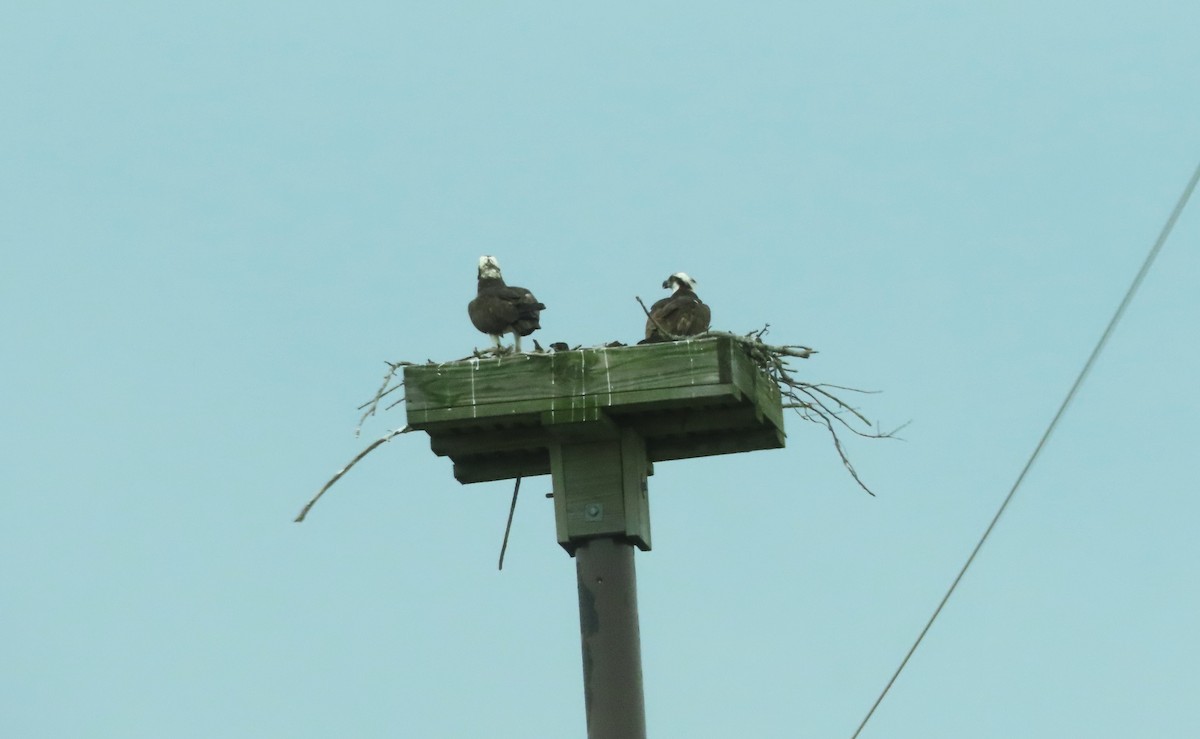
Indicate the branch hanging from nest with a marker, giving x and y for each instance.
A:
(338, 475)
(389, 385)
(385, 388)
(815, 402)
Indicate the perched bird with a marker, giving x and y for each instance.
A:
(500, 309)
(682, 314)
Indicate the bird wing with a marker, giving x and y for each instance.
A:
(681, 315)
(529, 312)
(694, 319)
(492, 312)
(658, 317)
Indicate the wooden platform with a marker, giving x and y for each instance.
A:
(499, 418)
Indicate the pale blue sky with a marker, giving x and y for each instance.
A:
(219, 219)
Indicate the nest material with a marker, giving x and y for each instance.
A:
(814, 402)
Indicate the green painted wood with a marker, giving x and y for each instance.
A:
(710, 445)
(600, 489)
(499, 418)
(515, 410)
(559, 381)
(587, 489)
(635, 468)
(501, 467)
(506, 441)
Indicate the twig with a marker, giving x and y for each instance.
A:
(382, 440)
(837, 443)
(752, 340)
(380, 396)
(843, 387)
(373, 404)
(508, 527)
(832, 413)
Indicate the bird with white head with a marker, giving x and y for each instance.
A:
(499, 308)
(680, 314)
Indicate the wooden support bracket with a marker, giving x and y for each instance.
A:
(600, 488)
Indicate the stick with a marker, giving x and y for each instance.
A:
(382, 391)
(386, 438)
(508, 527)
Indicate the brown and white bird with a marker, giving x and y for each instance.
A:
(681, 314)
(500, 309)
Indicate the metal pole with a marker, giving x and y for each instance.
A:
(612, 650)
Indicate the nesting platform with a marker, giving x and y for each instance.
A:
(496, 418)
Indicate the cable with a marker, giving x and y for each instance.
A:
(1087, 366)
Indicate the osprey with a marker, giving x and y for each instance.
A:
(682, 314)
(500, 309)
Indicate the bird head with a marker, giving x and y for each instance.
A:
(489, 268)
(678, 280)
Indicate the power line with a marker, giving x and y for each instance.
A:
(1087, 366)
